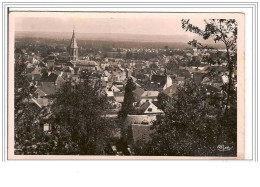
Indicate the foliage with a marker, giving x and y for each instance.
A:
(194, 126)
(198, 123)
(127, 106)
(26, 117)
(76, 119)
(161, 101)
(77, 122)
(225, 31)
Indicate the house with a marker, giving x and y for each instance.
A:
(170, 92)
(140, 126)
(39, 93)
(51, 82)
(40, 102)
(119, 98)
(138, 92)
(206, 81)
(84, 64)
(198, 77)
(149, 108)
(159, 80)
(149, 96)
(180, 80)
(115, 89)
(33, 73)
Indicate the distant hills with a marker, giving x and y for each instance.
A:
(116, 37)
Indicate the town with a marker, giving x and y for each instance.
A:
(151, 77)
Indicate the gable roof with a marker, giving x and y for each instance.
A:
(40, 92)
(119, 96)
(40, 102)
(86, 63)
(144, 106)
(138, 91)
(150, 94)
(171, 90)
(52, 77)
(48, 88)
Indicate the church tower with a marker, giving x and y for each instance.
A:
(73, 48)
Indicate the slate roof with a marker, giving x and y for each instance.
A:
(49, 78)
(144, 106)
(40, 92)
(138, 91)
(86, 63)
(48, 88)
(156, 103)
(150, 94)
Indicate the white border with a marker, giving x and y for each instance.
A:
(136, 173)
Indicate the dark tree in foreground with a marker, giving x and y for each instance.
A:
(127, 106)
(78, 125)
(161, 101)
(195, 126)
(27, 132)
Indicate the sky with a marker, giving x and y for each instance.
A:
(126, 23)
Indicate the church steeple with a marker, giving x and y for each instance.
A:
(73, 48)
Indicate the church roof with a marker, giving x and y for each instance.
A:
(73, 42)
(86, 63)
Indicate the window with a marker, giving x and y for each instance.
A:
(46, 127)
(150, 109)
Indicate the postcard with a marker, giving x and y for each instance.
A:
(124, 85)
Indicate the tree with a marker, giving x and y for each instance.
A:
(161, 101)
(77, 121)
(27, 132)
(193, 127)
(127, 106)
(225, 31)
(198, 123)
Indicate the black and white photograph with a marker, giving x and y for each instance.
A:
(130, 93)
(127, 85)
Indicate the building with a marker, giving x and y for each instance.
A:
(73, 48)
(140, 126)
(170, 92)
(74, 57)
(149, 96)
